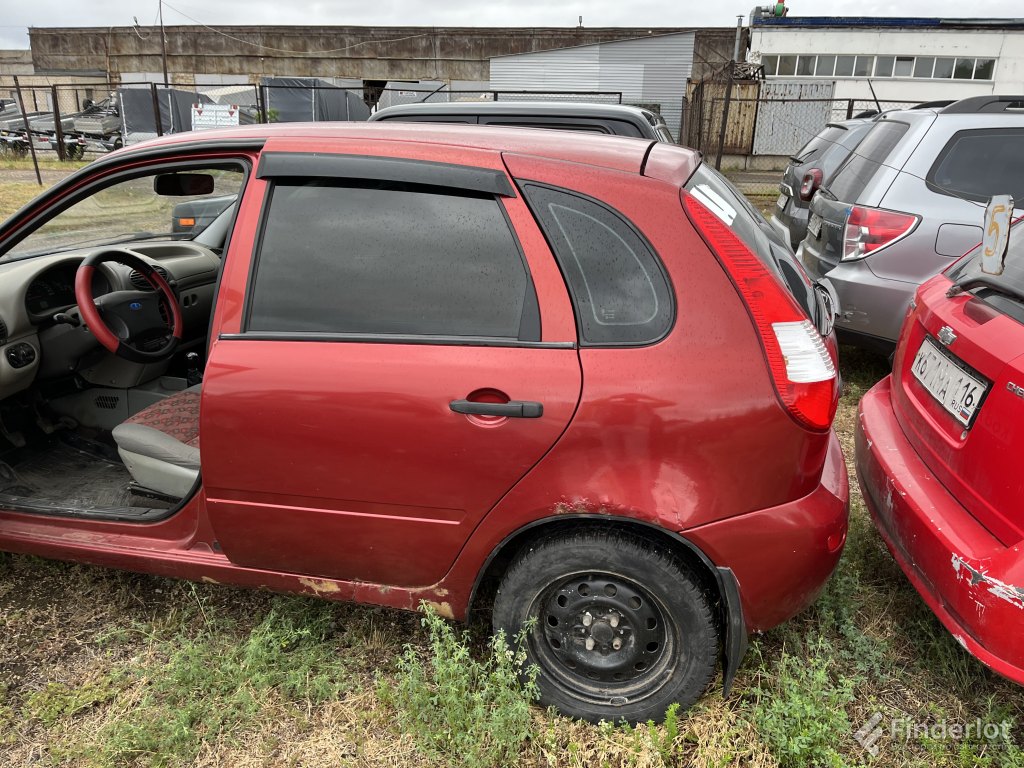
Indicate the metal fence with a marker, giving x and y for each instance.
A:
(76, 120)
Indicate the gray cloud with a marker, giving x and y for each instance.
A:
(540, 13)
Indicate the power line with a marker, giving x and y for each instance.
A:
(286, 50)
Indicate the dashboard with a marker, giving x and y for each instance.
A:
(33, 346)
(54, 290)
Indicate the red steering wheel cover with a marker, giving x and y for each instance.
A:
(91, 315)
(157, 281)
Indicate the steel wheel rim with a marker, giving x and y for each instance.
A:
(603, 638)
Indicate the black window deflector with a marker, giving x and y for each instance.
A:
(328, 165)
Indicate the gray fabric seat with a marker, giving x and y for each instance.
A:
(160, 444)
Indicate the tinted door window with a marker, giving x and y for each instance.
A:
(979, 164)
(853, 177)
(619, 288)
(390, 258)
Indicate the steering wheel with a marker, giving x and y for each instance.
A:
(129, 323)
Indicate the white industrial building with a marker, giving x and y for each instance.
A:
(905, 59)
(649, 71)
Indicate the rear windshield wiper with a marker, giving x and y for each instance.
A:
(984, 281)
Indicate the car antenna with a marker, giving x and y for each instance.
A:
(874, 96)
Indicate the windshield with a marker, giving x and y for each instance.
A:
(131, 209)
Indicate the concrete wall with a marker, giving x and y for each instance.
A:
(1006, 47)
(370, 53)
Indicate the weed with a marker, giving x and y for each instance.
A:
(57, 700)
(475, 711)
(802, 710)
(199, 687)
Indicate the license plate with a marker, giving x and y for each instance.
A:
(781, 202)
(953, 388)
(814, 225)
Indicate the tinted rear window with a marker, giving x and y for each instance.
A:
(825, 139)
(854, 176)
(390, 258)
(620, 292)
(981, 163)
(1012, 277)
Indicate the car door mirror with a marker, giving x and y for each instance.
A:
(183, 184)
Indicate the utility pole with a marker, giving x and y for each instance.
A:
(163, 43)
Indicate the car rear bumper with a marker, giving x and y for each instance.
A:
(868, 304)
(961, 571)
(782, 556)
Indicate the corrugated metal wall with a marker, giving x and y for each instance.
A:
(790, 113)
(651, 71)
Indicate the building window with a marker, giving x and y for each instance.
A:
(985, 69)
(826, 66)
(918, 67)
(923, 66)
(805, 66)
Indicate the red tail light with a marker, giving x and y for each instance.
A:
(810, 184)
(802, 367)
(871, 229)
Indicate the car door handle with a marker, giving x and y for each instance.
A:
(514, 409)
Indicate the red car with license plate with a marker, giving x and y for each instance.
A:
(937, 448)
(564, 378)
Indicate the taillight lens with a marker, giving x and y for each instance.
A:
(810, 184)
(802, 367)
(871, 229)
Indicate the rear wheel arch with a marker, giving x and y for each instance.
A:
(719, 583)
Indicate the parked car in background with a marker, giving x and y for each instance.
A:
(615, 119)
(938, 443)
(808, 169)
(558, 375)
(907, 204)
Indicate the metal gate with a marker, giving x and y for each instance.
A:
(790, 113)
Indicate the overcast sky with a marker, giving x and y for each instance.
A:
(18, 16)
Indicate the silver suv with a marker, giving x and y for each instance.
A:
(907, 203)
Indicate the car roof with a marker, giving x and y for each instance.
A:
(523, 108)
(613, 152)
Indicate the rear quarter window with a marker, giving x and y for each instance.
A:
(619, 287)
(977, 164)
(860, 167)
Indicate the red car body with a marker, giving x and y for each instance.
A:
(946, 496)
(339, 470)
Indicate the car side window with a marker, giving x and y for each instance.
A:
(620, 291)
(977, 164)
(391, 258)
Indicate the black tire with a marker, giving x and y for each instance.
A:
(623, 628)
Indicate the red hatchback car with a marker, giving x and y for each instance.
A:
(937, 448)
(563, 376)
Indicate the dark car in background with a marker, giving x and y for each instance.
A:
(907, 204)
(808, 169)
(938, 443)
(614, 119)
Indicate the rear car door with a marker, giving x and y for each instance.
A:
(404, 354)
